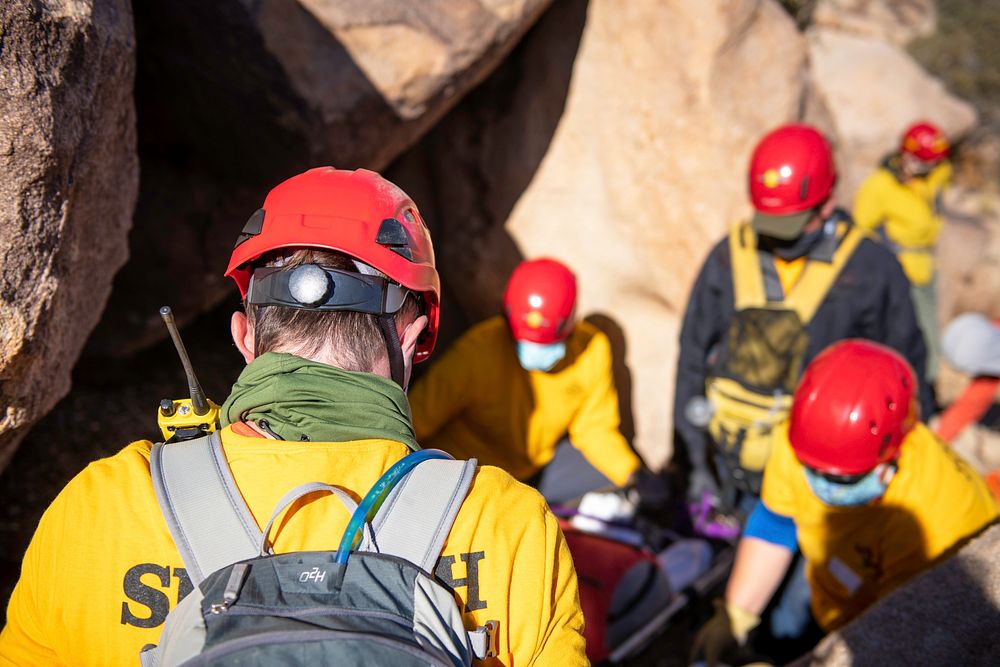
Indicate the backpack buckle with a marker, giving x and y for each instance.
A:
(484, 640)
(491, 628)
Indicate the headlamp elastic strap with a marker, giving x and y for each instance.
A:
(322, 288)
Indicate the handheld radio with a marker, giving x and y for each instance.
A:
(185, 418)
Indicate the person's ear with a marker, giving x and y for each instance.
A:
(242, 334)
(408, 343)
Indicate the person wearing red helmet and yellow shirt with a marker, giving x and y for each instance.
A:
(514, 388)
(901, 200)
(861, 486)
(341, 296)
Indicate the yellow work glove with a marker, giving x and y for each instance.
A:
(726, 630)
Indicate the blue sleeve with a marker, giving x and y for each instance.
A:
(771, 527)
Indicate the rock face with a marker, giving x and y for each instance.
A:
(293, 84)
(969, 253)
(874, 90)
(616, 140)
(946, 616)
(70, 177)
(893, 21)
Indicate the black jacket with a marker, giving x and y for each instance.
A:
(869, 299)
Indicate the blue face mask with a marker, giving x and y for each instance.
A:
(539, 356)
(855, 494)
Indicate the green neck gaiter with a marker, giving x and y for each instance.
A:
(307, 400)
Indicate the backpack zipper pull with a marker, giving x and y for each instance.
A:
(233, 586)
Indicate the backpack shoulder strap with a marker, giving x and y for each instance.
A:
(817, 278)
(748, 280)
(415, 519)
(204, 510)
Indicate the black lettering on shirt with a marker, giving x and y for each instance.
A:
(184, 585)
(153, 599)
(470, 581)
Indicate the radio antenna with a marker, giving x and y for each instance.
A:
(198, 401)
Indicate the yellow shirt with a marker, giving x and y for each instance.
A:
(102, 571)
(789, 272)
(856, 555)
(477, 401)
(909, 212)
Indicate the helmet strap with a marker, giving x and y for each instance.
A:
(396, 367)
(256, 331)
(886, 471)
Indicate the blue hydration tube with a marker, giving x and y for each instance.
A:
(373, 500)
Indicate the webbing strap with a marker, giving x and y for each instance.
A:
(416, 518)
(810, 290)
(295, 494)
(203, 508)
(773, 289)
(748, 280)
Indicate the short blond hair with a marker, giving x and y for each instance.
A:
(353, 340)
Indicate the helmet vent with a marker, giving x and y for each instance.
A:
(873, 427)
(410, 217)
(392, 235)
(804, 188)
(252, 228)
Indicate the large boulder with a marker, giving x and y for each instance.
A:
(874, 90)
(615, 139)
(67, 191)
(947, 616)
(969, 253)
(893, 21)
(234, 96)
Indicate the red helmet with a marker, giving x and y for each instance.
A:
(925, 141)
(358, 213)
(539, 301)
(791, 170)
(853, 407)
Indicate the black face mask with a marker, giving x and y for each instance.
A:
(790, 249)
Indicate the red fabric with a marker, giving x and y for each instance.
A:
(969, 407)
(241, 428)
(600, 565)
(993, 481)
